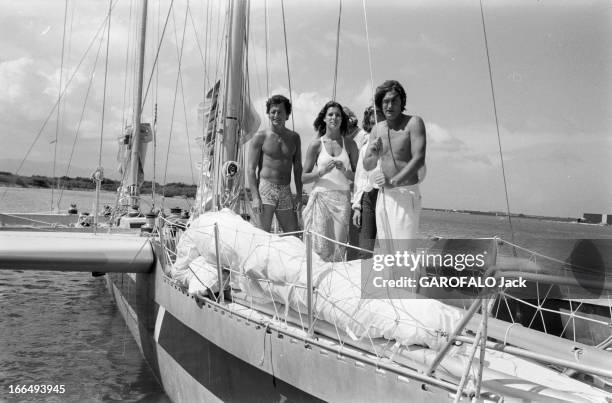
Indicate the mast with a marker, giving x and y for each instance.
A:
(234, 84)
(235, 80)
(135, 163)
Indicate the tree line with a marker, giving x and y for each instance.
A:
(80, 183)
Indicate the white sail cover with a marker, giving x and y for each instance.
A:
(270, 268)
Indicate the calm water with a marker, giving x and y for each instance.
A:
(63, 328)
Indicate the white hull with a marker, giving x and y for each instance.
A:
(203, 352)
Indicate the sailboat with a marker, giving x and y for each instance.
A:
(223, 342)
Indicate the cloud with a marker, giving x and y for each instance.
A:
(365, 96)
(306, 106)
(22, 84)
(276, 63)
(443, 139)
(426, 42)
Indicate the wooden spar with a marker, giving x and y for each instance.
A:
(75, 251)
(132, 180)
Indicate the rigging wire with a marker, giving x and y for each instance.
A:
(197, 39)
(56, 104)
(267, 39)
(337, 51)
(185, 105)
(501, 155)
(155, 100)
(144, 98)
(205, 117)
(382, 190)
(287, 59)
(59, 100)
(225, 40)
(78, 128)
(259, 84)
(367, 32)
(246, 91)
(127, 58)
(98, 174)
(69, 52)
(176, 87)
(110, 7)
(222, 113)
(129, 75)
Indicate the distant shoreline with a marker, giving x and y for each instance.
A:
(9, 179)
(502, 214)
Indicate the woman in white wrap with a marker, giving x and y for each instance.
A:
(328, 209)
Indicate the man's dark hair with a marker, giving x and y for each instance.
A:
(319, 123)
(387, 86)
(278, 100)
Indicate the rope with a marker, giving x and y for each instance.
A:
(501, 155)
(337, 51)
(287, 59)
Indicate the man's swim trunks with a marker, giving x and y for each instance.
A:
(275, 195)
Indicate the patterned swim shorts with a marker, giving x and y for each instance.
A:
(278, 196)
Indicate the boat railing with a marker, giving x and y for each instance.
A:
(480, 310)
(532, 273)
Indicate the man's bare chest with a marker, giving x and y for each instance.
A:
(278, 147)
(396, 143)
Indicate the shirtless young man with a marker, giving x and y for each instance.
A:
(272, 154)
(399, 142)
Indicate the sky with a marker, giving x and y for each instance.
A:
(551, 74)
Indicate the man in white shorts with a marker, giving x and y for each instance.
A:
(398, 145)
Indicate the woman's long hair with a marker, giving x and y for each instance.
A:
(320, 125)
(367, 116)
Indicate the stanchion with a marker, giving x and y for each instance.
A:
(308, 240)
(219, 271)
